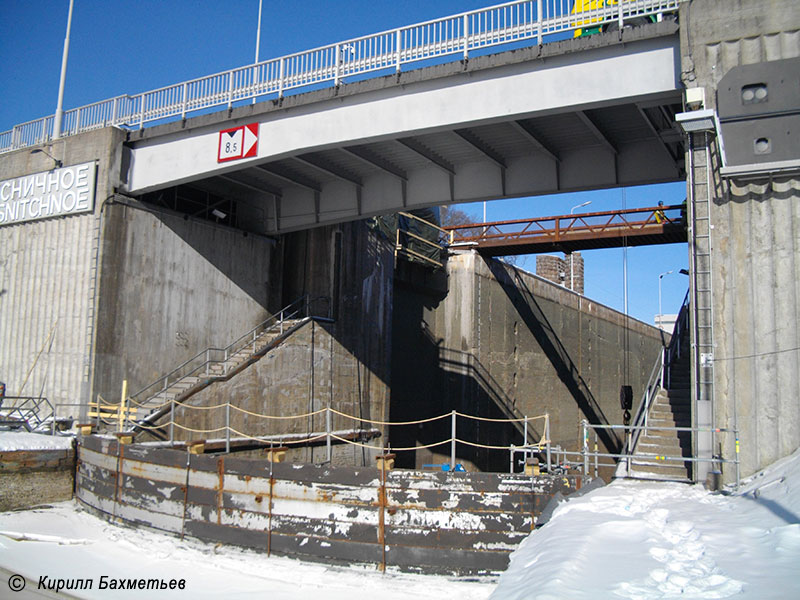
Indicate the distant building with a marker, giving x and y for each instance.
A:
(665, 322)
(567, 271)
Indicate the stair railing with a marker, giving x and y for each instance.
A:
(659, 378)
(202, 361)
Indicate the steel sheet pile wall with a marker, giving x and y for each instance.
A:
(460, 523)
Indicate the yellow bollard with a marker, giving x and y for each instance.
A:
(122, 404)
(385, 462)
(277, 454)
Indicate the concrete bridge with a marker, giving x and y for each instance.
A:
(660, 102)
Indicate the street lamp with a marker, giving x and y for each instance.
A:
(258, 39)
(60, 105)
(571, 257)
(661, 314)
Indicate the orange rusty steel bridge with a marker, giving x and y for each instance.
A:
(568, 233)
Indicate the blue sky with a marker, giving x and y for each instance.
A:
(130, 46)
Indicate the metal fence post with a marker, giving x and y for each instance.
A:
(511, 459)
(183, 102)
(453, 441)
(539, 19)
(466, 37)
(547, 437)
(228, 427)
(585, 447)
(336, 59)
(328, 432)
(172, 421)
(525, 432)
(398, 44)
(280, 78)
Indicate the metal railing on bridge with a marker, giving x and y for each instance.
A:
(454, 38)
(633, 226)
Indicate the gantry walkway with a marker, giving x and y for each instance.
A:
(568, 233)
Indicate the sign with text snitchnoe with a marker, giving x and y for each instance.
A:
(57, 193)
(238, 142)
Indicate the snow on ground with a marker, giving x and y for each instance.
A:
(626, 540)
(637, 539)
(65, 542)
(21, 440)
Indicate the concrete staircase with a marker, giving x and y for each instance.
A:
(216, 364)
(671, 408)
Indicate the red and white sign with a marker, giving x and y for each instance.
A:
(239, 142)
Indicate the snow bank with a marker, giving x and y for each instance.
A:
(661, 540)
(64, 542)
(14, 440)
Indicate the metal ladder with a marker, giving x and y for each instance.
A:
(702, 295)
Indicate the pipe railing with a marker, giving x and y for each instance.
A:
(455, 36)
(200, 363)
(588, 454)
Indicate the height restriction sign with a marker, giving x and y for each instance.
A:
(239, 142)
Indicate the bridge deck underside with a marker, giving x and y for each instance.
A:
(518, 127)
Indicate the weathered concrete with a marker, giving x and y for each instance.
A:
(756, 228)
(342, 364)
(169, 288)
(504, 336)
(48, 278)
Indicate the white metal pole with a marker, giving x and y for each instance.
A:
(660, 312)
(258, 39)
(571, 254)
(60, 106)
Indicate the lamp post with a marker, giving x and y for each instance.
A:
(258, 40)
(571, 254)
(60, 105)
(661, 314)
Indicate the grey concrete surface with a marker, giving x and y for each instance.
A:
(756, 228)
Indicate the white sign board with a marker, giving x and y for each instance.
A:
(64, 191)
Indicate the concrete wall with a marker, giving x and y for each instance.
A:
(47, 281)
(504, 335)
(342, 364)
(756, 265)
(169, 288)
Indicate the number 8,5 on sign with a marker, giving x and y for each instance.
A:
(238, 142)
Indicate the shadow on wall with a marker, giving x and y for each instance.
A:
(229, 251)
(534, 318)
(429, 380)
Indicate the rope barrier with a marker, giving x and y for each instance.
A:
(215, 406)
(179, 426)
(393, 449)
(373, 422)
(522, 420)
(474, 445)
(302, 441)
(278, 417)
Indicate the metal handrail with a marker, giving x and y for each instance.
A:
(26, 411)
(559, 227)
(454, 36)
(292, 310)
(659, 378)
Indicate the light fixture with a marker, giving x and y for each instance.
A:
(697, 120)
(218, 213)
(46, 153)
